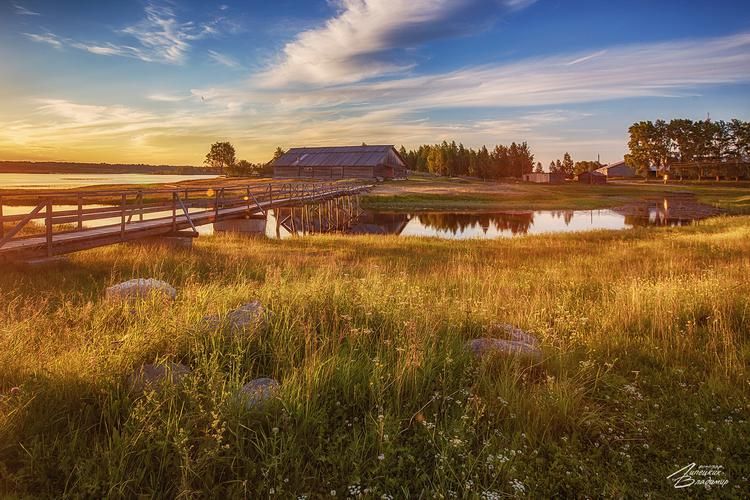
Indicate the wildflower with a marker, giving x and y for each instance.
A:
(333, 493)
(275, 430)
(381, 457)
(271, 491)
(517, 485)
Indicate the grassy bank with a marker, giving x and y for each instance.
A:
(423, 193)
(644, 333)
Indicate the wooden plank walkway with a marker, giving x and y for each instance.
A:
(216, 204)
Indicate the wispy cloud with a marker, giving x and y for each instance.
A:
(586, 58)
(23, 11)
(224, 59)
(367, 38)
(48, 38)
(159, 37)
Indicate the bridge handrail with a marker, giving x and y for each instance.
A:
(126, 203)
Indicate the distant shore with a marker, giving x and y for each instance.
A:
(58, 167)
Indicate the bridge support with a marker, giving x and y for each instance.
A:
(252, 226)
(181, 240)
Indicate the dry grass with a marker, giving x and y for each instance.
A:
(645, 345)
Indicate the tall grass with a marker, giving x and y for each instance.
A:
(645, 343)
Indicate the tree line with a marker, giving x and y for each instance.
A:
(451, 159)
(223, 157)
(570, 168)
(661, 144)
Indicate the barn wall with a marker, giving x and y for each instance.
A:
(324, 172)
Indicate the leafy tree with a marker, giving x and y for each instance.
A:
(278, 154)
(586, 166)
(568, 167)
(538, 168)
(220, 156)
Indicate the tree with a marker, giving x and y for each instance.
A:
(221, 155)
(277, 154)
(648, 145)
(586, 166)
(568, 167)
(538, 168)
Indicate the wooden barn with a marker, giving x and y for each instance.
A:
(343, 162)
(617, 169)
(591, 178)
(544, 177)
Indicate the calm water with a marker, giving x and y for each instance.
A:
(505, 224)
(452, 225)
(68, 181)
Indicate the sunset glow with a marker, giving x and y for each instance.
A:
(157, 82)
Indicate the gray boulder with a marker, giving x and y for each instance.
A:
(154, 376)
(512, 333)
(249, 317)
(258, 391)
(140, 288)
(517, 343)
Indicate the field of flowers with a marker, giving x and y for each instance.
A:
(644, 333)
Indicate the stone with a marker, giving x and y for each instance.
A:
(154, 376)
(247, 318)
(259, 391)
(140, 288)
(517, 343)
(513, 333)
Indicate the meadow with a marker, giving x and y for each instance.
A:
(441, 193)
(645, 368)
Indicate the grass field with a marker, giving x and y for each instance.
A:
(645, 369)
(429, 193)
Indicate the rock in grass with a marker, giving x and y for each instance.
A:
(247, 318)
(140, 288)
(518, 343)
(154, 376)
(513, 333)
(258, 391)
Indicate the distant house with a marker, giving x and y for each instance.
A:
(617, 169)
(594, 177)
(544, 178)
(344, 162)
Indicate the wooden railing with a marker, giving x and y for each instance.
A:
(66, 212)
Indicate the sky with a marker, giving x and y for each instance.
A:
(159, 81)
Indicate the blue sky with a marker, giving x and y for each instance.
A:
(159, 81)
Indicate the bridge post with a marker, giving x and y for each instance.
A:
(48, 227)
(80, 212)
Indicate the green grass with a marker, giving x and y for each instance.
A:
(644, 333)
(443, 194)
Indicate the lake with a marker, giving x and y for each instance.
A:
(69, 181)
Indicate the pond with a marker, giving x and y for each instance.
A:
(457, 225)
(69, 181)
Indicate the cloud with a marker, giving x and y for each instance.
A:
(23, 11)
(224, 59)
(524, 100)
(159, 97)
(368, 38)
(48, 38)
(162, 37)
(159, 37)
(659, 69)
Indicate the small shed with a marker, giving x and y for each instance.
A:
(591, 178)
(545, 177)
(342, 162)
(617, 169)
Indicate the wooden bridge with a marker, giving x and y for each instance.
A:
(63, 222)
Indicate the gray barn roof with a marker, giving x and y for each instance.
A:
(341, 156)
